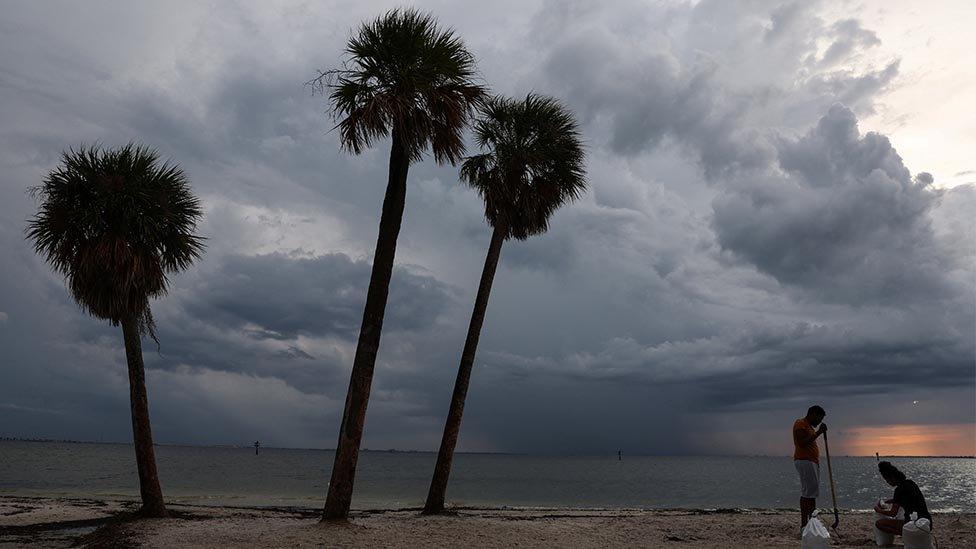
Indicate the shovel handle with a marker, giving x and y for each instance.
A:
(830, 475)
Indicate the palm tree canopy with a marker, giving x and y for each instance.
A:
(533, 163)
(116, 223)
(405, 73)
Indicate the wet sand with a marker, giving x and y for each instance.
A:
(50, 522)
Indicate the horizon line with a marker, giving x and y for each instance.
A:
(500, 453)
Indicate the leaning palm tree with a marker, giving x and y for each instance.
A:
(408, 79)
(532, 165)
(116, 224)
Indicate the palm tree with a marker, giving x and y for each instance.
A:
(406, 78)
(533, 164)
(116, 223)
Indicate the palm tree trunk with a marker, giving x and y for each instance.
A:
(357, 398)
(438, 485)
(152, 494)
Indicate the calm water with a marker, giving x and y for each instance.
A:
(235, 476)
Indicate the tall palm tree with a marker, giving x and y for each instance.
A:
(116, 224)
(407, 78)
(532, 165)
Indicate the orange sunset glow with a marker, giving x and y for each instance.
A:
(909, 440)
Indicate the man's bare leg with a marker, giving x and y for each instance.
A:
(807, 506)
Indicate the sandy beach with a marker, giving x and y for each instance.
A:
(49, 522)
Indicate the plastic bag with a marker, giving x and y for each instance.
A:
(917, 533)
(815, 535)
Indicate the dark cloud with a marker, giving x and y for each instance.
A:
(770, 355)
(705, 90)
(551, 253)
(280, 297)
(854, 88)
(846, 221)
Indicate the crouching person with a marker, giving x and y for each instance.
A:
(908, 497)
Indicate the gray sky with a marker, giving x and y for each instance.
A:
(780, 214)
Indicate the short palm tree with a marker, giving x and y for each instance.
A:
(408, 79)
(116, 224)
(532, 165)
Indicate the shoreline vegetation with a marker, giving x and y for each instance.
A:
(250, 446)
(87, 522)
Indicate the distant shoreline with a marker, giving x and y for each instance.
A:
(398, 451)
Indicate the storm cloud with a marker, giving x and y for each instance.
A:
(748, 245)
(279, 297)
(838, 214)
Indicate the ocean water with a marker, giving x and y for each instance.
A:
(293, 477)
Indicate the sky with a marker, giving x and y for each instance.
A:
(780, 214)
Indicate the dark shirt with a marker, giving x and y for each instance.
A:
(910, 498)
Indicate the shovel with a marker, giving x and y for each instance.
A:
(833, 491)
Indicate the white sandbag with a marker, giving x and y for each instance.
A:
(885, 539)
(917, 534)
(882, 539)
(815, 535)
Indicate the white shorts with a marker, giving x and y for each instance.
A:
(809, 478)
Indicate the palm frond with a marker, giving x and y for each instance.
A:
(116, 224)
(404, 73)
(532, 164)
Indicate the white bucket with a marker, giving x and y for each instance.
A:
(917, 534)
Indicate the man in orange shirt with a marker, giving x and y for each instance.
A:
(806, 459)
